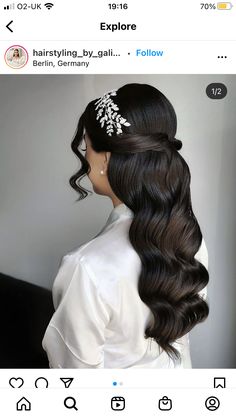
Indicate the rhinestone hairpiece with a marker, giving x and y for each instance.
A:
(107, 114)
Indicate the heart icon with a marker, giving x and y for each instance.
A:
(16, 382)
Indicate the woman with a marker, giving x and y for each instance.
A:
(16, 60)
(129, 297)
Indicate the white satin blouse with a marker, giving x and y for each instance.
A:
(99, 318)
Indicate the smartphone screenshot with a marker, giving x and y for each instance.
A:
(117, 209)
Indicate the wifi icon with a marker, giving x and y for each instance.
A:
(48, 5)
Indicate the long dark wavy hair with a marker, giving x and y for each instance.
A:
(148, 174)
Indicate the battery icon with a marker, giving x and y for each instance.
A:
(224, 6)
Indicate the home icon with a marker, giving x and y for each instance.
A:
(23, 404)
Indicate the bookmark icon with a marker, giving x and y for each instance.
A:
(67, 381)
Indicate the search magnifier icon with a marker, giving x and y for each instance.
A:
(70, 403)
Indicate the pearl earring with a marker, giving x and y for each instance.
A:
(102, 172)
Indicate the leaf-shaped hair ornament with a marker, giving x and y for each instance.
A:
(108, 114)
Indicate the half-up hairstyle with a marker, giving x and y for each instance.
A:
(148, 174)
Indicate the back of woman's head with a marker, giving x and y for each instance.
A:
(149, 175)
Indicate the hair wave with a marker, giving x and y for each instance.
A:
(149, 175)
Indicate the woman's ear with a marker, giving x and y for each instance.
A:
(107, 158)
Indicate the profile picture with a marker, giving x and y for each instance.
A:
(16, 56)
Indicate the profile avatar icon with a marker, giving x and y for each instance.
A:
(16, 56)
(212, 403)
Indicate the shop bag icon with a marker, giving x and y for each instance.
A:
(165, 403)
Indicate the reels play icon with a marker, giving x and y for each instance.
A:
(117, 403)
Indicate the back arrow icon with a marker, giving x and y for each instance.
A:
(8, 26)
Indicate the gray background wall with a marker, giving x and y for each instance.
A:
(40, 221)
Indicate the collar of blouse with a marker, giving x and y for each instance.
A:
(118, 212)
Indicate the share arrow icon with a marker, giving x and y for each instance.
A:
(67, 381)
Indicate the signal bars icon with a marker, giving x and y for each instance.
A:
(48, 5)
(9, 6)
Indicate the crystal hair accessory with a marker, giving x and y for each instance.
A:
(108, 114)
